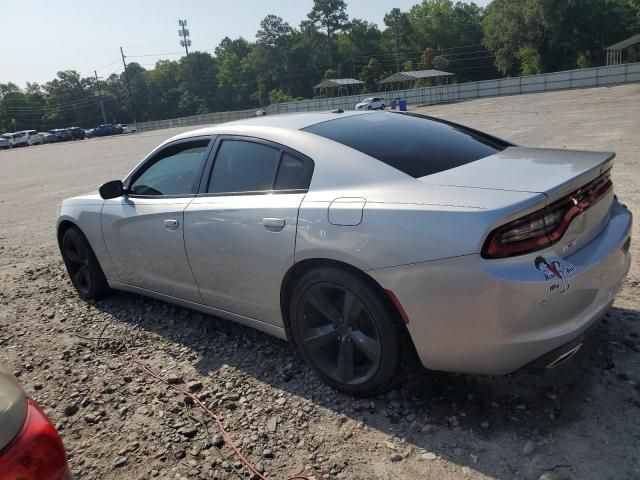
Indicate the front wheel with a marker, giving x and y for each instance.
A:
(345, 332)
(82, 265)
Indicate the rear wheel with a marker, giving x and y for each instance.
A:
(345, 332)
(382, 107)
(82, 265)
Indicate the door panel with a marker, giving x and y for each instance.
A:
(240, 247)
(145, 239)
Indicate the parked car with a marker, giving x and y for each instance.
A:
(371, 103)
(17, 139)
(106, 129)
(366, 238)
(5, 142)
(126, 128)
(77, 133)
(33, 137)
(30, 447)
(88, 132)
(62, 134)
(48, 137)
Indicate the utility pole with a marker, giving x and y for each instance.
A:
(126, 75)
(395, 34)
(353, 62)
(99, 92)
(184, 35)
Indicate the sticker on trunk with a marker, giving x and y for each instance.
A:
(557, 272)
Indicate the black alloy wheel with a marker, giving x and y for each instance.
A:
(345, 332)
(84, 270)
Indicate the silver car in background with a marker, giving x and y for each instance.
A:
(5, 142)
(371, 103)
(369, 239)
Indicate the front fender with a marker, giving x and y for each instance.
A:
(86, 216)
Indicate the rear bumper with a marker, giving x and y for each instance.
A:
(472, 315)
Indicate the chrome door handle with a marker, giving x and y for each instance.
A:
(273, 223)
(171, 224)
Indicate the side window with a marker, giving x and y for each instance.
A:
(291, 174)
(172, 171)
(243, 167)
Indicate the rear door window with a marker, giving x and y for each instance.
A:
(412, 143)
(243, 166)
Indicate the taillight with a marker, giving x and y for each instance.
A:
(36, 453)
(545, 227)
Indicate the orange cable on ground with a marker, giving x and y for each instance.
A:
(247, 464)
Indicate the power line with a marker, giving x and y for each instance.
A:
(154, 54)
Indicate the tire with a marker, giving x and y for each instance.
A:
(369, 107)
(83, 268)
(382, 107)
(359, 355)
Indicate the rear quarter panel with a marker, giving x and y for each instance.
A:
(426, 226)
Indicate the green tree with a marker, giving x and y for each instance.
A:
(197, 77)
(426, 59)
(240, 47)
(274, 32)
(236, 82)
(164, 89)
(398, 28)
(139, 91)
(371, 75)
(330, 16)
(269, 56)
(278, 96)
(359, 41)
(558, 30)
(529, 61)
(443, 24)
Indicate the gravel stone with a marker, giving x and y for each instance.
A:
(71, 409)
(429, 456)
(529, 447)
(119, 462)
(194, 386)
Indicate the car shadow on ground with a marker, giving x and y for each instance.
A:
(472, 421)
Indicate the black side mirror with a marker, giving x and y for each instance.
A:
(112, 189)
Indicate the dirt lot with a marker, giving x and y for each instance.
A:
(579, 421)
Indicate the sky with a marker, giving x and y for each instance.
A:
(87, 35)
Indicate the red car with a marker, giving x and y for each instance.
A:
(30, 447)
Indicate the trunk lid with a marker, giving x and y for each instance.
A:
(556, 173)
(13, 408)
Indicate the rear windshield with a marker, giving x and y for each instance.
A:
(412, 143)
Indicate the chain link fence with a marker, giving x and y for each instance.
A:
(546, 82)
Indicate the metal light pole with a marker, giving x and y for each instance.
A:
(184, 35)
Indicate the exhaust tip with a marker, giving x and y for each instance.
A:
(564, 356)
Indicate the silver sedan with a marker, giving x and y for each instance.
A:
(369, 239)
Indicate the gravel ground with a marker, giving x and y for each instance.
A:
(579, 421)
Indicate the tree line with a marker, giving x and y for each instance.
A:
(507, 38)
